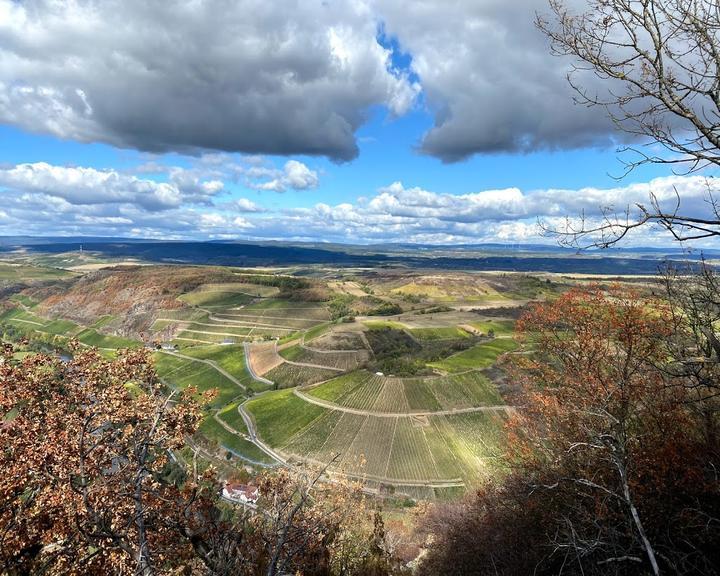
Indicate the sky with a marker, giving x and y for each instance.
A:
(355, 121)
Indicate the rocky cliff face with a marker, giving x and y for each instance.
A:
(133, 296)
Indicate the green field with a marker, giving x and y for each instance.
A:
(29, 323)
(442, 333)
(317, 331)
(478, 357)
(216, 298)
(230, 415)
(230, 358)
(500, 327)
(237, 445)
(364, 391)
(91, 337)
(180, 373)
(20, 272)
(338, 388)
(340, 359)
(222, 313)
(379, 324)
(463, 448)
(279, 415)
(23, 299)
(289, 375)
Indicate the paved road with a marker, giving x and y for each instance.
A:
(332, 406)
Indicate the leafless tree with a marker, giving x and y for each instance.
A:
(659, 61)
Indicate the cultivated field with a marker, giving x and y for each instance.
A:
(457, 449)
(481, 356)
(263, 357)
(180, 372)
(344, 360)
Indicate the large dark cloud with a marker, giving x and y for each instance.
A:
(291, 77)
(233, 75)
(490, 79)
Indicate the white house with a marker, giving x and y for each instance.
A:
(243, 493)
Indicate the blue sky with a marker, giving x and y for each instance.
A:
(349, 121)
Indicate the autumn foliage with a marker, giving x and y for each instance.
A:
(91, 484)
(84, 447)
(613, 452)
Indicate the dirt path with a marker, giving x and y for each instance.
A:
(308, 365)
(319, 351)
(26, 322)
(227, 323)
(332, 406)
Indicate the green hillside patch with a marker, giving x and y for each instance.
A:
(17, 273)
(288, 375)
(279, 415)
(476, 358)
(180, 373)
(237, 445)
(441, 333)
(317, 331)
(293, 353)
(420, 396)
(380, 324)
(230, 358)
(230, 415)
(341, 387)
(216, 298)
(465, 390)
(60, 327)
(90, 337)
(23, 299)
(499, 327)
(103, 321)
(27, 323)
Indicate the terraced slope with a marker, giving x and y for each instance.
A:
(345, 360)
(430, 450)
(379, 394)
(180, 372)
(426, 432)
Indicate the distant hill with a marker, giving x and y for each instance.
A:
(480, 257)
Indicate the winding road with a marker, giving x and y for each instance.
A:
(252, 436)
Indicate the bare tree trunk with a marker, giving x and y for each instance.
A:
(636, 520)
(144, 568)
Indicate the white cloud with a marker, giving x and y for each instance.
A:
(41, 199)
(294, 175)
(90, 186)
(243, 205)
(260, 77)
